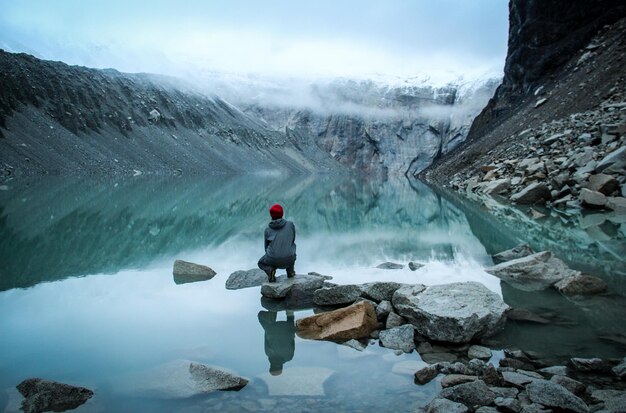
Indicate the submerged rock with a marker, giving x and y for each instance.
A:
(390, 266)
(298, 381)
(188, 272)
(44, 396)
(245, 279)
(520, 251)
(534, 272)
(353, 322)
(456, 312)
(581, 284)
(180, 379)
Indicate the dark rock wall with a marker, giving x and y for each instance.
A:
(543, 36)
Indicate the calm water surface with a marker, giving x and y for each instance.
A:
(87, 294)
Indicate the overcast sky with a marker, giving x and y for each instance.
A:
(350, 38)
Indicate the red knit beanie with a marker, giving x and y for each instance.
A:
(276, 211)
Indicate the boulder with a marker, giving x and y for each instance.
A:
(390, 266)
(356, 321)
(456, 312)
(380, 290)
(518, 378)
(592, 199)
(426, 374)
(496, 187)
(43, 395)
(439, 405)
(572, 385)
(532, 194)
(603, 183)
(293, 293)
(534, 272)
(520, 251)
(620, 369)
(245, 279)
(383, 309)
(479, 352)
(615, 160)
(154, 115)
(188, 272)
(394, 320)
(555, 396)
(414, 266)
(339, 295)
(474, 393)
(508, 404)
(454, 379)
(590, 365)
(554, 371)
(614, 400)
(581, 284)
(399, 338)
(617, 204)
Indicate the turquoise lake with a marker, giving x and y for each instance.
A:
(87, 295)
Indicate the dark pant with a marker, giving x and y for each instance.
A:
(268, 263)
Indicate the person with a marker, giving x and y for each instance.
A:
(279, 339)
(280, 245)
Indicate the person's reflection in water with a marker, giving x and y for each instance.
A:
(279, 339)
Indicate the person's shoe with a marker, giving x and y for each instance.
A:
(291, 274)
(272, 276)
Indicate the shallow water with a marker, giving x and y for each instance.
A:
(87, 294)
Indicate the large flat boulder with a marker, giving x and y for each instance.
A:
(44, 396)
(356, 321)
(188, 272)
(603, 183)
(534, 272)
(456, 312)
(296, 292)
(246, 279)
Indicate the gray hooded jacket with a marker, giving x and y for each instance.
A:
(280, 239)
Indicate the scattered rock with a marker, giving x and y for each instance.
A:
(605, 184)
(394, 320)
(188, 272)
(154, 115)
(615, 160)
(339, 295)
(454, 379)
(518, 379)
(508, 404)
(581, 285)
(426, 374)
(572, 385)
(590, 365)
(433, 358)
(534, 272)
(474, 393)
(414, 266)
(456, 312)
(534, 193)
(497, 186)
(552, 395)
(399, 338)
(356, 321)
(620, 369)
(355, 344)
(555, 370)
(383, 309)
(479, 352)
(520, 251)
(245, 279)
(617, 204)
(390, 266)
(43, 395)
(439, 405)
(592, 199)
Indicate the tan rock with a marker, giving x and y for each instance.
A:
(581, 285)
(355, 321)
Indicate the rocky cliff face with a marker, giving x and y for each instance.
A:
(378, 129)
(551, 56)
(62, 119)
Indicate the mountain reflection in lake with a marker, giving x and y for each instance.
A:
(88, 295)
